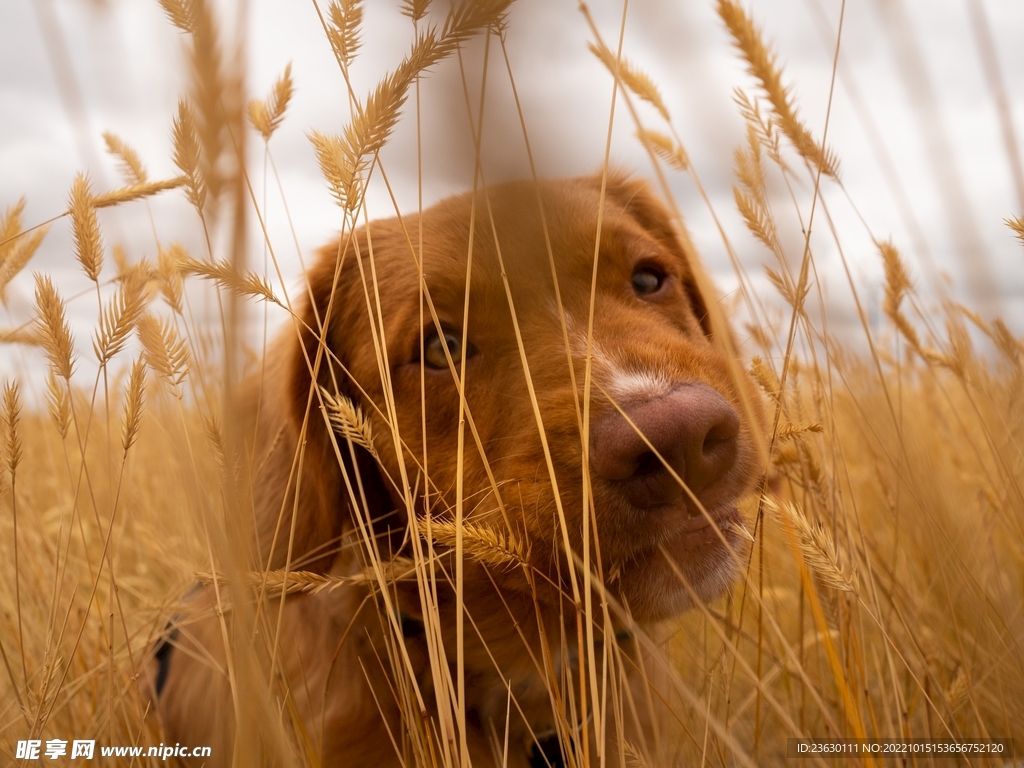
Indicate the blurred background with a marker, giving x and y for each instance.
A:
(926, 118)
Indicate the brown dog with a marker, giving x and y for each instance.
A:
(598, 408)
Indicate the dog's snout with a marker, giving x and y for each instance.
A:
(693, 428)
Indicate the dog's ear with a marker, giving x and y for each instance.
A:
(329, 477)
(638, 201)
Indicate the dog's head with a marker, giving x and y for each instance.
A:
(568, 362)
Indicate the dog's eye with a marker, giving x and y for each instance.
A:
(647, 280)
(433, 350)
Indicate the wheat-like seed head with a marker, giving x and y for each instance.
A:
(166, 353)
(211, 426)
(635, 80)
(119, 316)
(339, 167)
(187, 154)
(345, 18)
(415, 9)
(760, 223)
(137, 191)
(794, 295)
(131, 164)
(764, 128)
(86, 228)
(758, 334)
(664, 147)
(58, 402)
(763, 65)
(344, 159)
(224, 274)
(790, 431)
(211, 95)
(56, 335)
(10, 225)
(1008, 344)
(266, 116)
(480, 543)
(168, 273)
(897, 284)
(959, 689)
(280, 582)
(1017, 225)
(181, 13)
(12, 418)
(348, 420)
(133, 403)
(749, 168)
(16, 247)
(960, 348)
(634, 757)
(819, 550)
(740, 527)
(766, 377)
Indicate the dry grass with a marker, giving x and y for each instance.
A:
(885, 593)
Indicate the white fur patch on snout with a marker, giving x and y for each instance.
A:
(623, 383)
(630, 384)
(627, 386)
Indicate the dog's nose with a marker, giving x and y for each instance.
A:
(693, 428)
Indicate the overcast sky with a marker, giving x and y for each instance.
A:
(912, 92)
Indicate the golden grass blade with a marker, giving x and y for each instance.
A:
(56, 335)
(86, 228)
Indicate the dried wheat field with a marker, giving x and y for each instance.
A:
(883, 596)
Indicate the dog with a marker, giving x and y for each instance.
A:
(535, 361)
